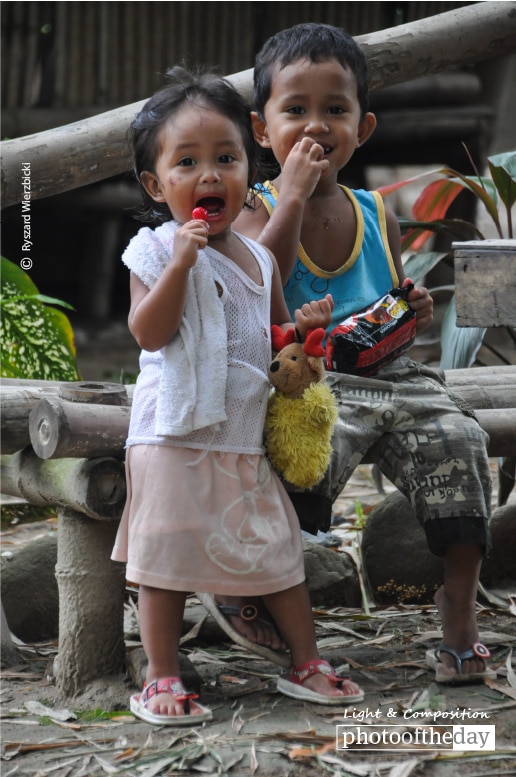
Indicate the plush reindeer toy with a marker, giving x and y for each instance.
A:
(302, 410)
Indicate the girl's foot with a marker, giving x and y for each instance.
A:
(317, 682)
(251, 619)
(166, 703)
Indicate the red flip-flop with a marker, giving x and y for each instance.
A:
(291, 684)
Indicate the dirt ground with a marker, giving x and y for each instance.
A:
(258, 731)
(255, 730)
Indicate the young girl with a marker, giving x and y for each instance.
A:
(205, 512)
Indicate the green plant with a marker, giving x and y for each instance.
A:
(497, 193)
(36, 339)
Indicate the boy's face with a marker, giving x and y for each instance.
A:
(317, 100)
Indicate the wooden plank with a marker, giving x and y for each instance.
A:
(485, 283)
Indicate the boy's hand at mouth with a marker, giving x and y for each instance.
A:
(303, 168)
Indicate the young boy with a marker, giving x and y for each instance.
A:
(311, 112)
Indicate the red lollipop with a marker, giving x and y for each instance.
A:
(200, 213)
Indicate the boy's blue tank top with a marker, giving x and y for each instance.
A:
(363, 277)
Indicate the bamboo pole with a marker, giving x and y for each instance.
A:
(91, 150)
(95, 488)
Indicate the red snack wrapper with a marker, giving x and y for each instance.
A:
(374, 336)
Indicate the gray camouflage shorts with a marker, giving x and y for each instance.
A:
(423, 438)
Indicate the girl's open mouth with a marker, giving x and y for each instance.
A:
(214, 206)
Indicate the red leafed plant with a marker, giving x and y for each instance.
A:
(430, 209)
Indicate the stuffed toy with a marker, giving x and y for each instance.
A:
(301, 411)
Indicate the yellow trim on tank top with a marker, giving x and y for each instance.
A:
(305, 259)
(382, 221)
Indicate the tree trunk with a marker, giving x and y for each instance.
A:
(94, 149)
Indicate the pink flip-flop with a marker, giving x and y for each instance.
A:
(173, 686)
(291, 684)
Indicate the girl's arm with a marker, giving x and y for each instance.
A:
(155, 314)
(419, 298)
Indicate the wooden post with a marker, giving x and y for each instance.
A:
(95, 488)
(484, 389)
(19, 398)
(91, 603)
(16, 408)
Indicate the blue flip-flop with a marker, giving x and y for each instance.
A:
(477, 650)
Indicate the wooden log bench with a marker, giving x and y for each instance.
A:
(63, 445)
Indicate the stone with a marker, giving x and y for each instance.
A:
(331, 576)
(29, 591)
(399, 565)
(500, 565)
(395, 554)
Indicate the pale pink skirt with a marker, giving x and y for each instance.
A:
(209, 522)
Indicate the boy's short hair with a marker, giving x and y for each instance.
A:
(316, 42)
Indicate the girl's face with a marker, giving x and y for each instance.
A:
(201, 162)
(317, 100)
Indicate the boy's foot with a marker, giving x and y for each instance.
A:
(462, 653)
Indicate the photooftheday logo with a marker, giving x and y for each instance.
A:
(417, 737)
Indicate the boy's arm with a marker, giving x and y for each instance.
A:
(281, 232)
(419, 297)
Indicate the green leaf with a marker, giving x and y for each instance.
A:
(37, 341)
(459, 345)
(53, 301)
(416, 266)
(503, 172)
(457, 228)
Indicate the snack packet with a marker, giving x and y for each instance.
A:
(371, 338)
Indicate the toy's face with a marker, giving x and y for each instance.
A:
(292, 371)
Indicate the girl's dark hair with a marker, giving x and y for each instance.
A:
(316, 42)
(207, 89)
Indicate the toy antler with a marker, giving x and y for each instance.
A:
(280, 338)
(313, 342)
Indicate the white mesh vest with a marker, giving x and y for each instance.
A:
(247, 313)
